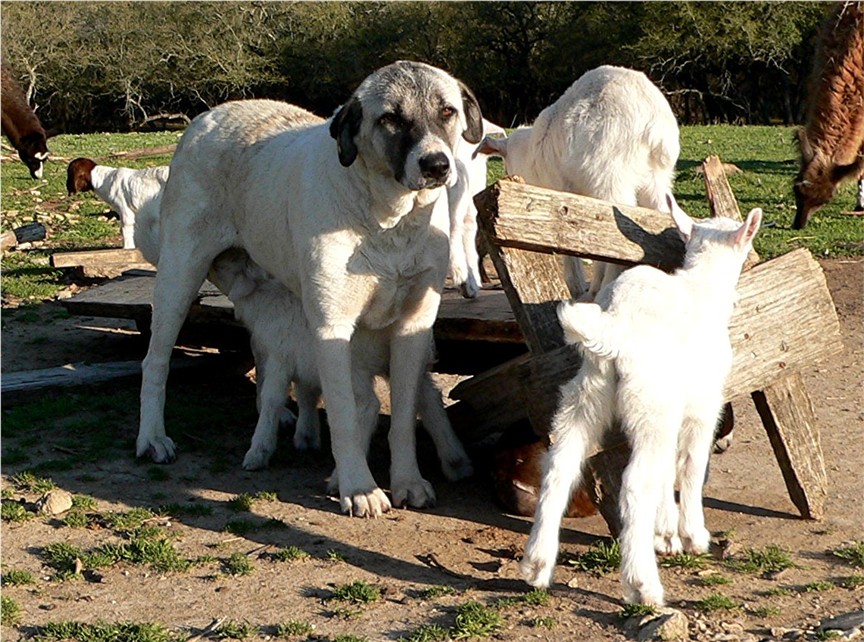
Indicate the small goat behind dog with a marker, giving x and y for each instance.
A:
(656, 356)
(125, 190)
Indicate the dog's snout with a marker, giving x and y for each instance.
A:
(435, 166)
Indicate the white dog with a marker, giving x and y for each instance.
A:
(349, 226)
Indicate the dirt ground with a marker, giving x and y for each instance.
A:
(466, 542)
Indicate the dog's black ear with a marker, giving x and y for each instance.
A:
(473, 116)
(344, 127)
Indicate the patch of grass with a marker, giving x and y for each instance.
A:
(349, 637)
(335, 556)
(61, 556)
(189, 509)
(294, 627)
(601, 558)
(11, 511)
(237, 564)
(827, 634)
(27, 482)
(235, 630)
(17, 578)
(436, 591)
(427, 633)
(358, 592)
(853, 581)
(772, 559)
(83, 502)
(780, 591)
(537, 597)
(853, 554)
(473, 620)
(240, 527)
(637, 610)
(766, 611)
(684, 560)
(289, 554)
(714, 580)
(10, 611)
(813, 587)
(542, 622)
(127, 521)
(106, 632)
(716, 602)
(245, 501)
(76, 519)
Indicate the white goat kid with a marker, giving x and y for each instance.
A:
(125, 190)
(656, 356)
(471, 168)
(612, 136)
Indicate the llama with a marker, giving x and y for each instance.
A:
(20, 125)
(656, 355)
(471, 169)
(284, 351)
(612, 136)
(125, 190)
(832, 140)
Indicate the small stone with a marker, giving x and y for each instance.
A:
(666, 624)
(54, 502)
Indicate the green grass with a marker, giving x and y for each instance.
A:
(10, 611)
(27, 482)
(237, 564)
(822, 585)
(235, 630)
(854, 554)
(105, 632)
(160, 555)
(542, 622)
(294, 628)
(537, 597)
(358, 592)
(17, 578)
(772, 559)
(637, 610)
(684, 560)
(765, 611)
(428, 633)
(852, 581)
(245, 501)
(289, 554)
(474, 620)
(189, 509)
(601, 558)
(12, 511)
(714, 580)
(716, 602)
(436, 591)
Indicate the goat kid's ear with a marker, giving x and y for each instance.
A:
(492, 147)
(682, 221)
(344, 127)
(473, 117)
(744, 235)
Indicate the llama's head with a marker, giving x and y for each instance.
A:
(817, 181)
(33, 152)
(78, 175)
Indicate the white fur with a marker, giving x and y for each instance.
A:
(656, 356)
(126, 191)
(612, 135)
(359, 246)
(472, 178)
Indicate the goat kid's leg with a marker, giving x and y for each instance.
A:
(654, 444)
(359, 495)
(666, 540)
(455, 463)
(307, 433)
(273, 376)
(584, 412)
(457, 200)
(177, 285)
(471, 287)
(697, 436)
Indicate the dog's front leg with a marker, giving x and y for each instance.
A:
(358, 493)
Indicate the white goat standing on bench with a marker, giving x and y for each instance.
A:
(656, 356)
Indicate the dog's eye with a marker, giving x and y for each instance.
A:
(448, 112)
(390, 120)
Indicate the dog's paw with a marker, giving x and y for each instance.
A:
(160, 449)
(307, 435)
(650, 595)
(724, 443)
(369, 504)
(667, 544)
(697, 542)
(287, 419)
(416, 493)
(537, 568)
(257, 457)
(458, 467)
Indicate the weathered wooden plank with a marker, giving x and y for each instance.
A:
(24, 234)
(488, 317)
(788, 417)
(784, 321)
(721, 199)
(516, 215)
(100, 258)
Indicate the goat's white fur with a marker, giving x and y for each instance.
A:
(360, 245)
(612, 135)
(656, 354)
(471, 168)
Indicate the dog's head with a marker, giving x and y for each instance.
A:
(405, 120)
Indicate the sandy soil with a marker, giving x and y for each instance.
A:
(466, 542)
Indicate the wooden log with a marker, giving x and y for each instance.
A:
(721, 199)
(788, 417)
(24, 234)
(101, 263)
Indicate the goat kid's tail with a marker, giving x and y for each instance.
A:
(583, 324)
(664, 145)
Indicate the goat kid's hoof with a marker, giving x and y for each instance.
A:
(160, 449)
(257, 458)
(457, 468)
(698, 542)
(371, 504)
(650, 596)
(416, 493)
(668, 545)
(536, 570)
(470, 288)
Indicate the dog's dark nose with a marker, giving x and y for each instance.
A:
(435, 166)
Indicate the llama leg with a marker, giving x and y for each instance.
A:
(455, 463)
(859, 201)
(654, 443)
(584, 412)
(697, 436)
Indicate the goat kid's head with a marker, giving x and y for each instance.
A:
(78, 175)
(33, 152)
(715, 231)
(816, 183)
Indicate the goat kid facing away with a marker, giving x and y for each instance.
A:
(656, 355)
